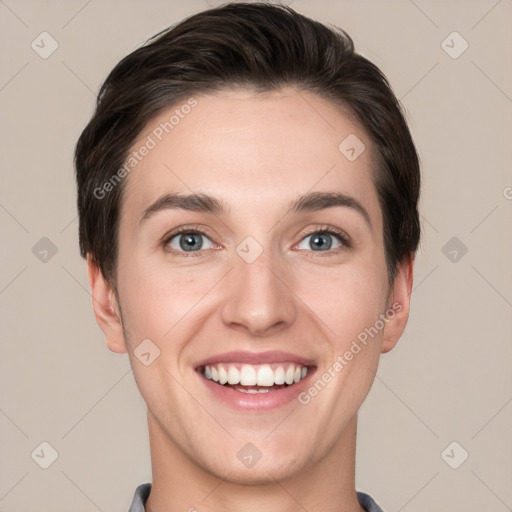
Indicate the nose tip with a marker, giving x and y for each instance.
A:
(258, 324)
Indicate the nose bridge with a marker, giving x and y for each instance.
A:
(257, 298)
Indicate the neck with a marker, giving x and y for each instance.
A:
(179, 484)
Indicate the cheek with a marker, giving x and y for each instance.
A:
(159, 303)
(346, 300)
(349, 305)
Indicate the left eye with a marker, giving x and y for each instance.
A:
(321, 241)
(189, 242)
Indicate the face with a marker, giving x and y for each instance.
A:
(274, 279)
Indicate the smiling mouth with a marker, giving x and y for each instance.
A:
(249, 378)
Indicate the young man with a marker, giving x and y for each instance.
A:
(247, 191)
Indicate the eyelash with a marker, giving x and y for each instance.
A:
(343, 238)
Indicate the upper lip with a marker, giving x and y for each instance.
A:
(274, 356)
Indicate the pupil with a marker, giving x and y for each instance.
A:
(323, 242)
(190, 241)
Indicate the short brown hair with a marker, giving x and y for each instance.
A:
(255, 46)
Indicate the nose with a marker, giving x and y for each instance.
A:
(258, 298)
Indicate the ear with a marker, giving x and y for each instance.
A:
(106, 309)
(398, 305)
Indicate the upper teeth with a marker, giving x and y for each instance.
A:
(255, 375)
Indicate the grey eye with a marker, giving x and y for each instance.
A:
(189, 242)
(320, 241)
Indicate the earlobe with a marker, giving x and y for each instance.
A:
(105, 308)
(398, 309)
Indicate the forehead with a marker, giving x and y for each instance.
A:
(251, 150)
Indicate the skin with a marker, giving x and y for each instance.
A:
(257, 153)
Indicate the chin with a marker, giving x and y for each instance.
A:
(258, 471)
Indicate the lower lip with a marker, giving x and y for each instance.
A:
(257, 401)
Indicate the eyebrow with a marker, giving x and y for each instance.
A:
(312, 201)
(192, 202)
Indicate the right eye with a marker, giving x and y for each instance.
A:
(188, 241)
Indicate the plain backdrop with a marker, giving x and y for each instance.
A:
(443, 394)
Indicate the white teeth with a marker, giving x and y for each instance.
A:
(255, 375)
(223, 374)
(279, 375)
(233, 375)
(252, 391)
(289, 375)
(265, 376)
(248, 375)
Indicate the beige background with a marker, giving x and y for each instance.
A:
(448, 380)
